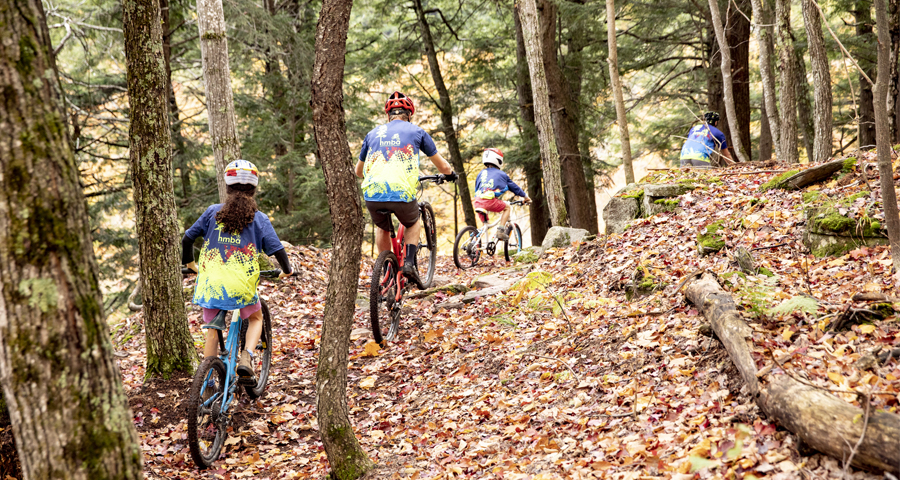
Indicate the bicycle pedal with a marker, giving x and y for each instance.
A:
(247, 381)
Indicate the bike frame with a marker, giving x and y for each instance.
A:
(228, 352)
(482, 232)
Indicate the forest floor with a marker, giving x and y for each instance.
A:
(515, 386)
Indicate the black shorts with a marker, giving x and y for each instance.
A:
(406, 212)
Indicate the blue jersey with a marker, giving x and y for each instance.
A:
(391, 153)
(491, 183)
(702, 141)
(229, 271)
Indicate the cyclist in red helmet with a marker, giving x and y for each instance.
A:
(389, 166)
(490, 184)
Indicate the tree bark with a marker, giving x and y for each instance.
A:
(539, 215)
(765, 134)
(68, 410)
(616, 84)
(170, 347)
(446, 108)
(863, 18)
(737, 31)
(804, 103)
(766, 72)
(543, 122)
(728, 87)
(348, 459)
(581, 204)
(823, 121)
(788, 97)
(894, 94)
(217, 80)
(883, 135)
(178, 143)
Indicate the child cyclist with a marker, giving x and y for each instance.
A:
(490, 184)
(233, 233)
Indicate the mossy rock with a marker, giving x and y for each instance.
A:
(710, 241)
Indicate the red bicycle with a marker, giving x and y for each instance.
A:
(388, 282)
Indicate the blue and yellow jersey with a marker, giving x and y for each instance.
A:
(491, 183)
(391, 153)
(701, 141)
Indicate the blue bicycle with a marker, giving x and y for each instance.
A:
(215, 384)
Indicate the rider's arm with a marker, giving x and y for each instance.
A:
(726, 153)
(187, 250)
(283, 261)
(515, 188)
(440, 163)
(359, 168)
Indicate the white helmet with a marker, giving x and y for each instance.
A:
(492, 156)
(241, 171)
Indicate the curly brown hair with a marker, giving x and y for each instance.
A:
(239, 208)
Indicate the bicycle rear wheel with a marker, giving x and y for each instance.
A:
(206, 426)
(514, 244)
(383, 311)
(426, 255)
(262, 359)
(467, 248)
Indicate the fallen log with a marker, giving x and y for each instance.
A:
(821, 420)
(812, 175)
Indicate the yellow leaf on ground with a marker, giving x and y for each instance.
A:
(836, 377)
(787, 334)
(372, 349)
(867, 328)
(433, 334)
(368, 382)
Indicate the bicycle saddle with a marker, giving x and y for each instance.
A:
(217, 323)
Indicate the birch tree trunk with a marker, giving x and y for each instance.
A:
(543, 122)
(217, 80)
(348, 459)
(446, 108)
(823, 121)
(788, 97)
(616, 83)
(883, 135)
(766, 72)
(68, 410)
(170, 347)
(728, 86)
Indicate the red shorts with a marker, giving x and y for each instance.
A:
(210, 313)
(494, 205)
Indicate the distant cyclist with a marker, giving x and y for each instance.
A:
(490, 184)
(389, 165)
(233, 234)
(704, 141)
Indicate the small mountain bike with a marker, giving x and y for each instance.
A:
(388, 282)
(215, 384)
(471, 242)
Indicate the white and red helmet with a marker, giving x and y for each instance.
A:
(241, 172)
(492, 156)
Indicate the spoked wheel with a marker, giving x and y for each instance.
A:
(383, 309)
(206, 425)
(426, 256)
(467, 248)
(514, 244)
(262, 357)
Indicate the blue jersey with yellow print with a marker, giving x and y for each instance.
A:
(391, 153)
(493, 182)
(229, 271)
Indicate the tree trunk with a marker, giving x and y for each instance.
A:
(823, 121)
(217, 79)
(582, 206)
(737, 32)
(573, 70)
(170, 346)
(616, 84)
(883, 135)
(788, 97)
(348, 460)
(765, 134)
(894, 94)
(539, 215)
(543, 123)
(725, 52)
(863, 18)
(715, 89)
(766, 72)
(804, 103)
(64, 394)
(446, 108)
(178, 143)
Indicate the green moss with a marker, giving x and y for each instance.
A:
(213, 36)
(812, 196)
(835, 222)
(669, 202)
(41, 293)
(527, 256)
(264, 262)
(849, 165)
(854, 197)
(711, 241)
(778, 182)
(765, 271)
(634, 194)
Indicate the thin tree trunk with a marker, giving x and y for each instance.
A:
(788, 97)
(725, 52)
(823, 121)
(446, 108)
(573, 70)
(765, 134)
(804, 103)
(64, 394)
(883, 135)
(543, 122)
(348, 459)
(616, 83)
(170, 347)
(539, 215)
(863, 18)
(766, 72)
(217, 79)
(737, 31)
(894, 94)
(178, 143)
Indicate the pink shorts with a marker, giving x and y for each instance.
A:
(210, 313)
(493, 205)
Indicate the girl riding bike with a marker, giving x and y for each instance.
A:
(233, 233)
(490, 184)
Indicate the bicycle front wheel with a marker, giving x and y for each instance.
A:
(385, 316)
(467, 248)
(206, 426)
(426, 255)
(262, 357)
(514, 244)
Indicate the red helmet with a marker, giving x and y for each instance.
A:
(399, 100)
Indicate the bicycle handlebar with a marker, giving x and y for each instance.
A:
(517, 203)
(437, 179)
